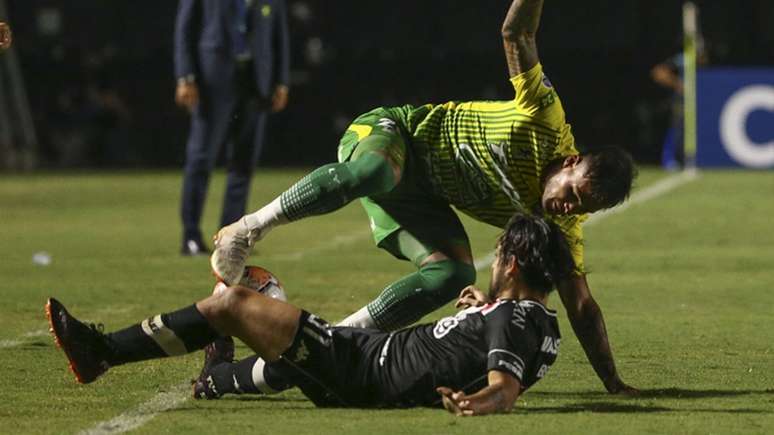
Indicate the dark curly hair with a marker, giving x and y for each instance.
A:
(612, 172)
(540, 250)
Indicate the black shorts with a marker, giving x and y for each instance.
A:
(335, 366)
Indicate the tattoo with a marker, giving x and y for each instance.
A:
(519, 28)
(523, 17)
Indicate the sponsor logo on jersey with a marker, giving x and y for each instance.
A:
(547, 99)
(550, 345)
(387, 125)
(472, 182)
(501, 167)
(543, 370)
(519, 316)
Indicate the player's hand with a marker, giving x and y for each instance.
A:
(616, 386)
(455, 402)
(279, 99)
(187, 95)
(470, 296)
(5, 36)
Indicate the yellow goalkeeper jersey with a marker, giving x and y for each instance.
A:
(487, 157)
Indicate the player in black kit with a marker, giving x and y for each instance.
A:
(476, 362)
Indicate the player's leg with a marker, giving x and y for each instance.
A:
(267, 325)
(372, 166)
(249, 375)
(443, 269)
(442, 272)
(414, 225)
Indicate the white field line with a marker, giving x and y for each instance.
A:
(4, 344)
(653, 191)
(143, 413)
(178, 394)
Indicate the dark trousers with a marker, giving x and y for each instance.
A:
(232, 114)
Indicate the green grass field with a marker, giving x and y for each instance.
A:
(685, 281)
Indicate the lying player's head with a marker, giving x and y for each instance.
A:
(589, 182)
(538, 250)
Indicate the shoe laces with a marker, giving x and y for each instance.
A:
(98, 328)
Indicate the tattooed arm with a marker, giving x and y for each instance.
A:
(589, 326)
(519, 30)
(498, 396)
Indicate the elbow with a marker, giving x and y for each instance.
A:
(508, 33)
(516, 34)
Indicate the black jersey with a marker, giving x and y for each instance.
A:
(363, 367)
(520, 338)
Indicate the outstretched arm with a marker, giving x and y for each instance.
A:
(519, 31)
(589, 326)
(498, 396)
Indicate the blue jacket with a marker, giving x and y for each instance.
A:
(203, 42)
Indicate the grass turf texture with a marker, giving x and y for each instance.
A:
(684, 281)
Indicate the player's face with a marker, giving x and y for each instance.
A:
(568, 191)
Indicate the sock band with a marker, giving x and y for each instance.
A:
(164, 337)
(259, 380)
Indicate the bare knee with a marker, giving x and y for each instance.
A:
(222, 308)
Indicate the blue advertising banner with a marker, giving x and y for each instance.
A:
(735, 117)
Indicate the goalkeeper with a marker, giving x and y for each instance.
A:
(489, 159)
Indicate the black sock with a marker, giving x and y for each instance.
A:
(175, 333)
(237, 378)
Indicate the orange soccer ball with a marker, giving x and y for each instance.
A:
(260, 280)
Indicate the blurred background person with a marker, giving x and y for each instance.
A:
(669, 74)
(5, 36)
(232, 68)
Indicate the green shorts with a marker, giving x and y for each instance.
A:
(411, 205)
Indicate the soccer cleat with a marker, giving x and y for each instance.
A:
(85, 346)
(218, 352)
(231, 247)
(205, 389)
